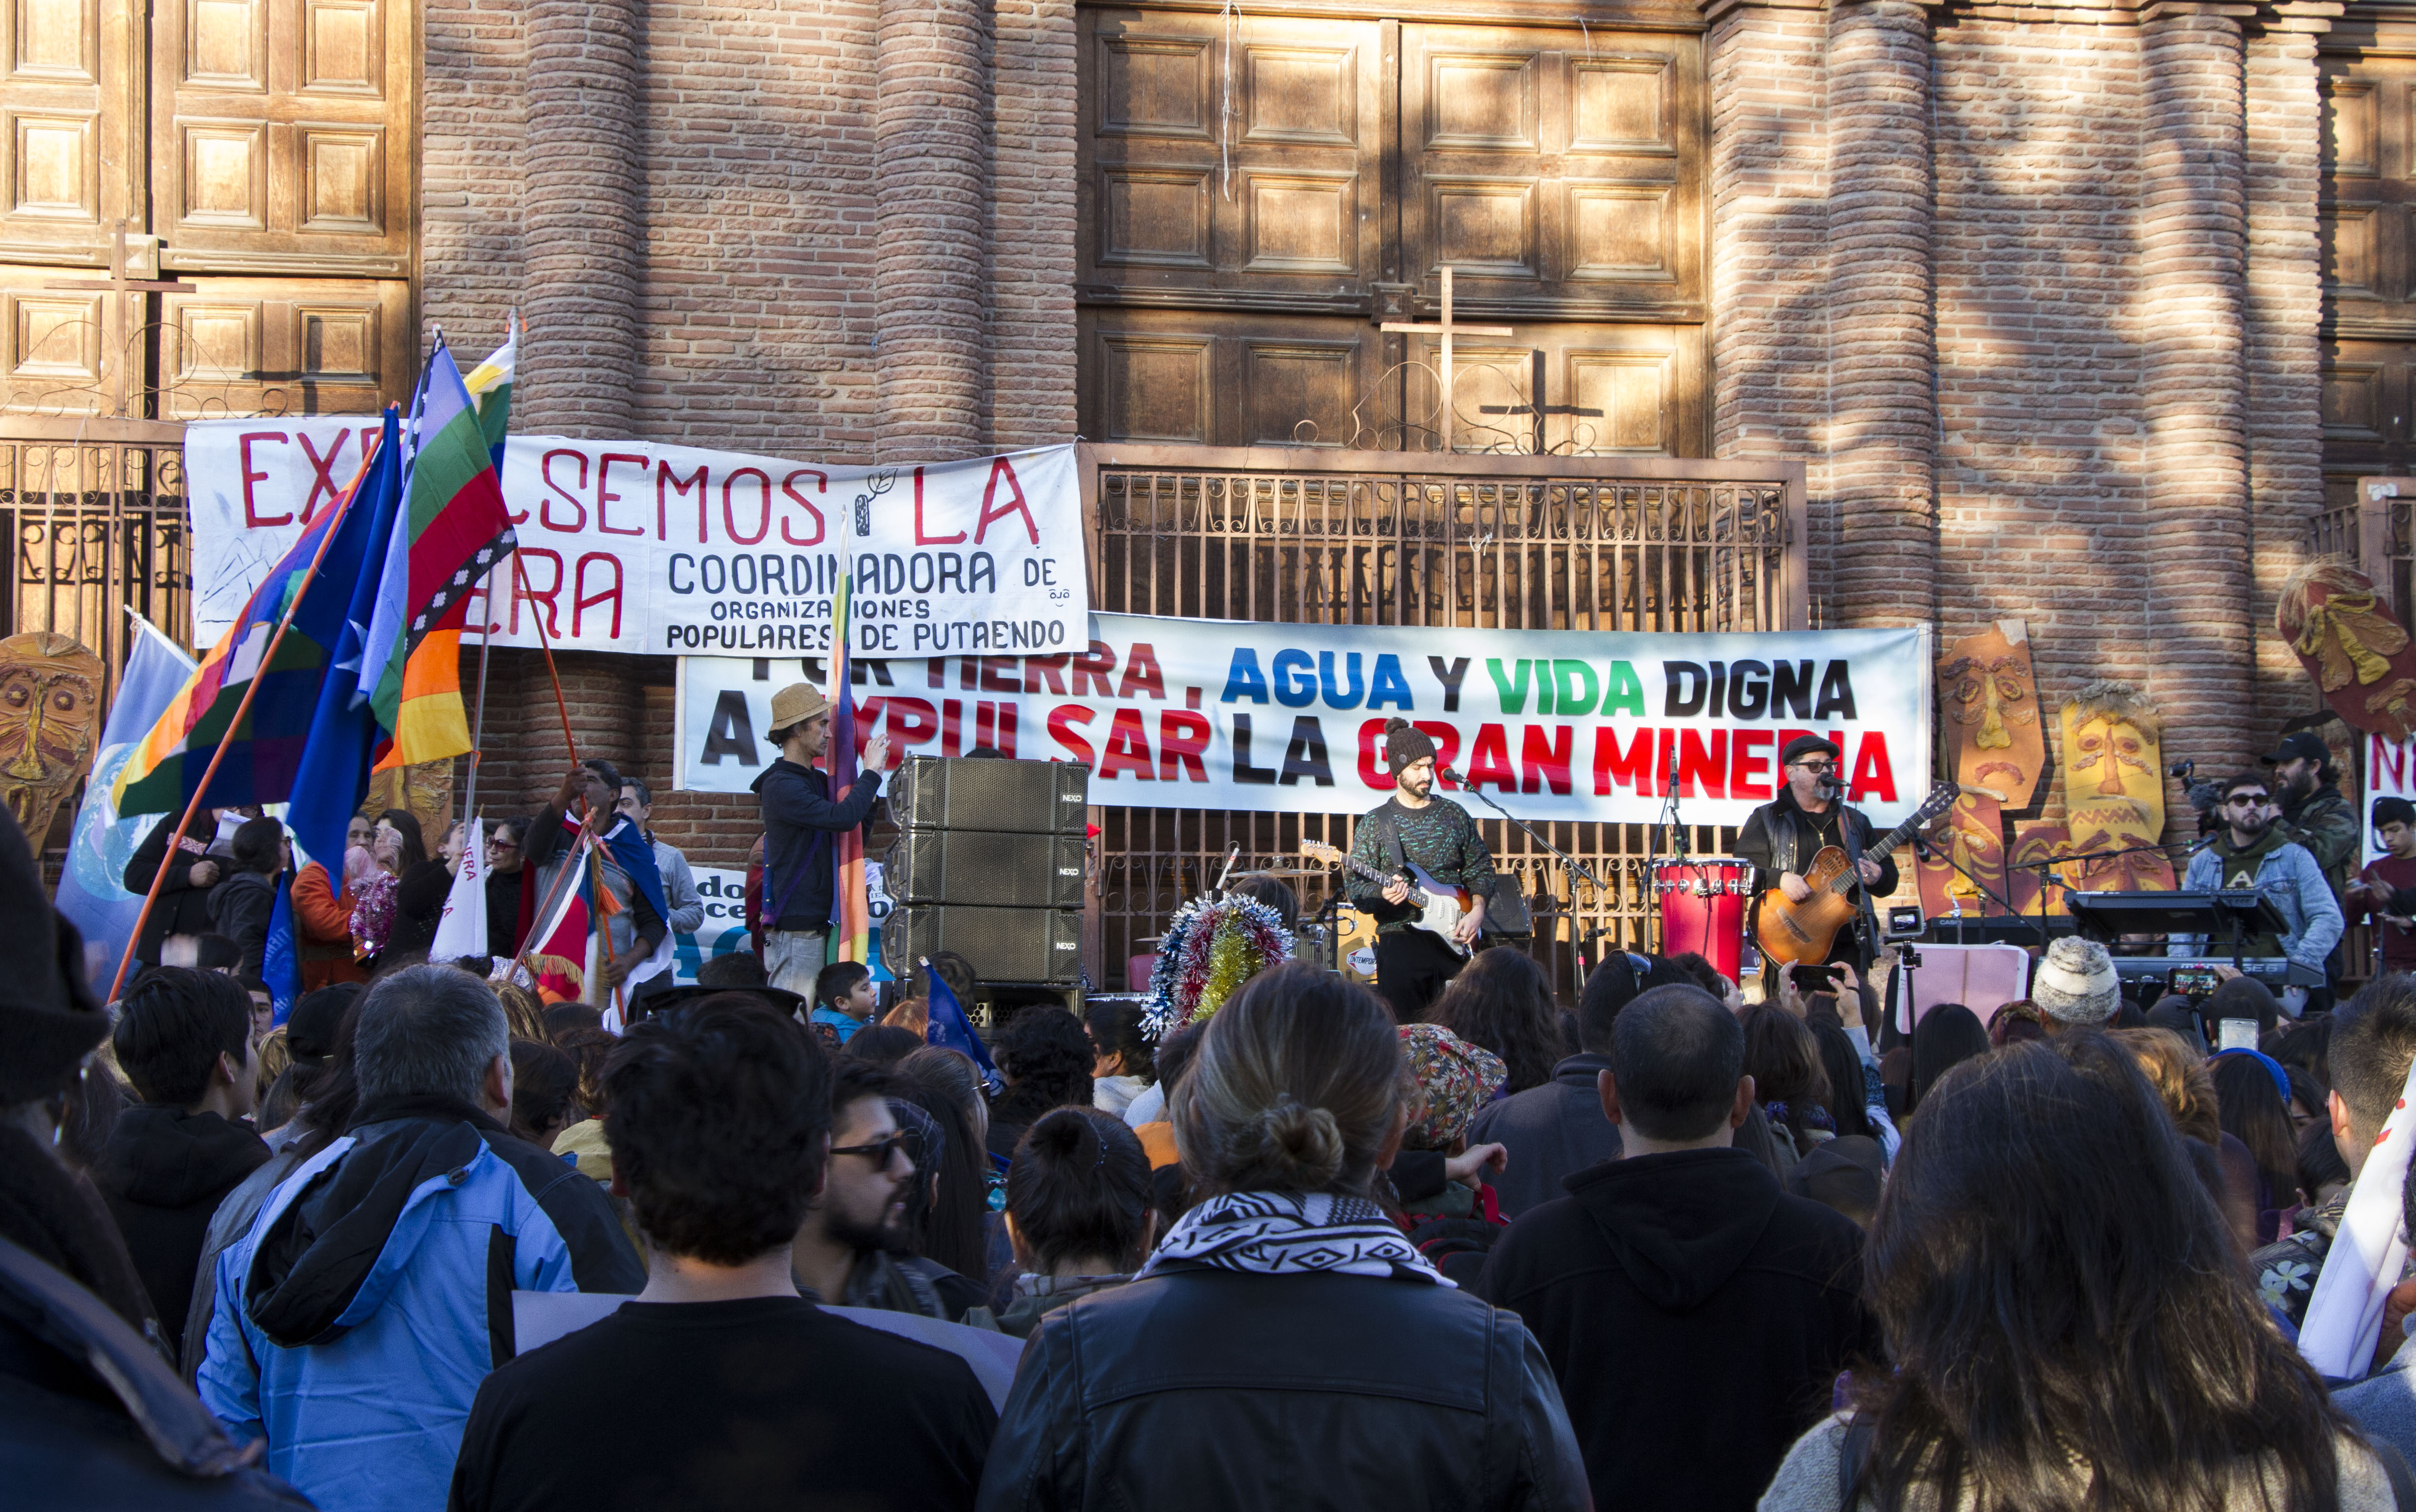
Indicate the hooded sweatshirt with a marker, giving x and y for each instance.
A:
(1696, 1316)
(163, 1173)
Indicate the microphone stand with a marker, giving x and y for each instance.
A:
(1577, 869)
(1922, 848)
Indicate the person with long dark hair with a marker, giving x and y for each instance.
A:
(1946, 1036)
(2251, 1101)
(947, 1200)
(1078, 1205)
(2067, 1330)
(1789, 1081)
(1046, 1057)
(1501, 1000)
(1125, 1052)
(1286, 1345)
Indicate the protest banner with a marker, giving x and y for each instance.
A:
(724, 929)
(643, 548)
(1287, 718)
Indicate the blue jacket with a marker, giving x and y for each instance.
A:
(2289, 876)
(358, 1315)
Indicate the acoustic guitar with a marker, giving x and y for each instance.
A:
(1800, 935)
(1440, 905)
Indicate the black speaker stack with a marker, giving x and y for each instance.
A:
(988, 864)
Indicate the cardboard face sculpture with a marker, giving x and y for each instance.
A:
(2034, 843)
(1973, 834)
(2113, 781)
(1990, 700)
(50, 709)
(2347, 640)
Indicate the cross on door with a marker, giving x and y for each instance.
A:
(112, 349)
(1446, 330)
(1537, 408)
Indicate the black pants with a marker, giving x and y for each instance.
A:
(1411, 967)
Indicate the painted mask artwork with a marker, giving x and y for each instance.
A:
(49, 717)
(2113, 765)
(1973, 835)
(2032, 844)
(2347, 638)
(1990, 700)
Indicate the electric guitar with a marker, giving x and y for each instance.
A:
(1800, 935)
(1439, 906)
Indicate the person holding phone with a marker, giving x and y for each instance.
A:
(2385, 891)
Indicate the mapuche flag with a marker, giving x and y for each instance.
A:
(265, 757)
(452, 530)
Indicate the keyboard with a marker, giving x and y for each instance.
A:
(2274, 971)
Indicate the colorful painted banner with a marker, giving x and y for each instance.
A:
(724, 929)
(1288, 718)
(638, 548)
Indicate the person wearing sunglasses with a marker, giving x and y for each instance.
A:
(851, 1249)
(2250, 850)
(1810, 813)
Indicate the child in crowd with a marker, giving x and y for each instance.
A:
(844, 998)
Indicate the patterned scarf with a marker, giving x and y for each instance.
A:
(1275, 1234)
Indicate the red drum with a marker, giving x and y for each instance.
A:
(1703, 906)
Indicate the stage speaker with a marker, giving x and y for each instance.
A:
(958, 793)
(1004, 944)
(985, 867)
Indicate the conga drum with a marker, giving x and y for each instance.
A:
(1702, 907)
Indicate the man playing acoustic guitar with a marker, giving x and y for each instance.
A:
(1412, 964)
(1781, 837)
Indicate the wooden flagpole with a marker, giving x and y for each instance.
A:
(243, 707)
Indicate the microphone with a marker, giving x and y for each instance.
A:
(1451, 775)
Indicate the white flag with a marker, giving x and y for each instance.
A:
(461, 928)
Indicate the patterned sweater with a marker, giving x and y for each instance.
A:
(1439, 837)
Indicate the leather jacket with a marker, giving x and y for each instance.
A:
(1201, 1387)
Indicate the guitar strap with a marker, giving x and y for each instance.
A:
(1388, 840)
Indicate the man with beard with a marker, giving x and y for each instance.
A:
(1809, 815)
(2315, 815)
(2252, 852)
(852, 1250)
(1413, 825)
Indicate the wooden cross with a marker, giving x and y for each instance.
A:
(1445, 330)
(112, 353)
(1538, 409)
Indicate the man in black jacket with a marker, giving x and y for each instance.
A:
(183, 906)
(800, 816)
(1783, 835)
(1695, 1314)
(184, 1039)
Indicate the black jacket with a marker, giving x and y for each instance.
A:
(240, 908)
(1697, 1317)
(504, 911)
(799, 819)
(1207, 1388)
(1551, 1132)
(163, 1174)
(182, 908)
(1780, 837)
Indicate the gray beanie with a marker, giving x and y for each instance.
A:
(2075, 982)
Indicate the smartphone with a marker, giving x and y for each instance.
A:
(1813, 979)
(2198, 981)
(2235, 1034)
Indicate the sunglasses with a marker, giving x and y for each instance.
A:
(2250, 801)
(879, 1152)
(1814, 767)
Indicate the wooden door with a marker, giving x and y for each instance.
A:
(1259, 196)
(2369, 331)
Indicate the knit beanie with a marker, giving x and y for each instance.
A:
(2075, 982)
(1405, 743)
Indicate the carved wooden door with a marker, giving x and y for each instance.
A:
(1259, 193)
(2369, 330)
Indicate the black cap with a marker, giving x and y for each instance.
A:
(1803, 745)
(2306, 746)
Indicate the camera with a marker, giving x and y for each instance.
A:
(2181, 770)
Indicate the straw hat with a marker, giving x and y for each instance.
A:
(795, 705)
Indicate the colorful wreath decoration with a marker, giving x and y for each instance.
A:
(1209, 948)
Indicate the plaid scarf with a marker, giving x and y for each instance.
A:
(1277, 1234)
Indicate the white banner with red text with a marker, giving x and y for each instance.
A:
(632, 547)
(1288, 718)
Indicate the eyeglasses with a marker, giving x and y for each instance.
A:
(879, 1152)
(1814, 767)
(502, 845)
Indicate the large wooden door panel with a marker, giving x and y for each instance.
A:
(1646, 381)
(1225, 379)
(66, 67)
(1193, 193)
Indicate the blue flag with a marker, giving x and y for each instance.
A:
(90, 896)
(334, 768)
(280, 962)
(951, 1030)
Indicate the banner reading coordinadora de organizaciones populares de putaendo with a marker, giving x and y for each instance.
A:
(1288, 718)
(633, 546)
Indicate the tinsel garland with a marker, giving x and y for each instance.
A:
(1209, 948)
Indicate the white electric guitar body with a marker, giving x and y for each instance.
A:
(1440, 905)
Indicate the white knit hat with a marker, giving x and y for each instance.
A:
(2075, 982)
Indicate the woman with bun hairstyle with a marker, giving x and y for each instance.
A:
(1285, 1345)
(1078, 1212)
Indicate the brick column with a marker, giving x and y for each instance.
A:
(2192, 242)
(930, 152)
(1769, 194)
(1883, 346)
(1033, 212)
(582, 219)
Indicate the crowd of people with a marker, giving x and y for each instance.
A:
(438, 1241)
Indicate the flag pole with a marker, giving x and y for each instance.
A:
(243, 706)
(545, 643)
(478, 713)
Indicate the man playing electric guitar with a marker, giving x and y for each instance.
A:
(1412, 964)
(1783, 835)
